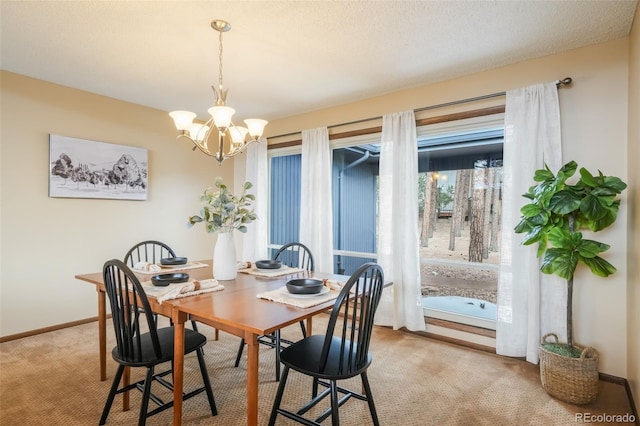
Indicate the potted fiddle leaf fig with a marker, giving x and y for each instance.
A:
(554, 218)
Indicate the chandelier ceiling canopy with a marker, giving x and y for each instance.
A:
(220, 118)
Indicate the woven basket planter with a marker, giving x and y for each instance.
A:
(573, 380)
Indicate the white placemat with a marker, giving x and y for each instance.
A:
(271, 273)
(282, 295)
(178, 290)
(168, 269)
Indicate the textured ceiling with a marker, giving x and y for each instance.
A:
(287, 57)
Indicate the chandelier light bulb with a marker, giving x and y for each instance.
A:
(198, 132)
(182, 119)
(238, 134)
(221, 116)
(256, 126)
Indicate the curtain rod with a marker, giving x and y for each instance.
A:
(559, 83)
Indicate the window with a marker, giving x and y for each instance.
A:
(460, 169)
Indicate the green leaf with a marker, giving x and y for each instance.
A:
(614, 183)
(560, 238)
(564, 202)
(588, 178)
(590, 249)
(530, 210)
(543, 174)
(560, 262)
(523, 226)
(606, 220)
(594, 208)
(194, 219)
(569, 169)
(542, 246)
(599, 266)
(533, 236)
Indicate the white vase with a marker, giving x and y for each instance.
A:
(224, 257)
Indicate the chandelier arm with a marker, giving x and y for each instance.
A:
(197, 145)
(209, 127)
(235, 152)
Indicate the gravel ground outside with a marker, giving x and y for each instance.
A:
(447, 272)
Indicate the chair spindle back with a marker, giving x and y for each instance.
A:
(351, 321)
(126, 296)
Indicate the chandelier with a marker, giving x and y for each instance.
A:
(220, 118)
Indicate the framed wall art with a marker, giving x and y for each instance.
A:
(81, 168)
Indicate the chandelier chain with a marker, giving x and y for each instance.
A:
(220, 60)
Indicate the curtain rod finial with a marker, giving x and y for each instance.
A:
(565, 81)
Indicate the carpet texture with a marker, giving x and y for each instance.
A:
(53, 379)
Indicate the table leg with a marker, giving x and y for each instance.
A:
(309, 326)
(102, 334)
(126, 380)
(179, 318)
(252, 379)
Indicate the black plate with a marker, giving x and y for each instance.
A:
(166, 279)
(268, 264)
(304, 286)
(170, 261)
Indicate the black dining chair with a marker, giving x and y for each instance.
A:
(341, 353)
(295, 255)
(148, 251)
(151, 251)
(139, 343)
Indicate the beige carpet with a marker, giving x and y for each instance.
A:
(53, 379)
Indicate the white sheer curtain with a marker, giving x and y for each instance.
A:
(256, 239)
(398, 231)
(530, 303)
(316, 220)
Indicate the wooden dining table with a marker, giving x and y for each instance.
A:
(235, 310)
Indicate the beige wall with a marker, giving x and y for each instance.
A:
(47, 241)
(594, 129)
(633, 282)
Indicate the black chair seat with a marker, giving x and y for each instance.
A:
(145, 355)
(305, 356)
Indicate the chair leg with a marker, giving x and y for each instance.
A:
(240, 349)
(112, 394)
(277, 336)
(207, 383)
(335, 404)
(304, 329)
(142, 418)
(367, 392)
(279, 393)
(195, 327)
(314, 389)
